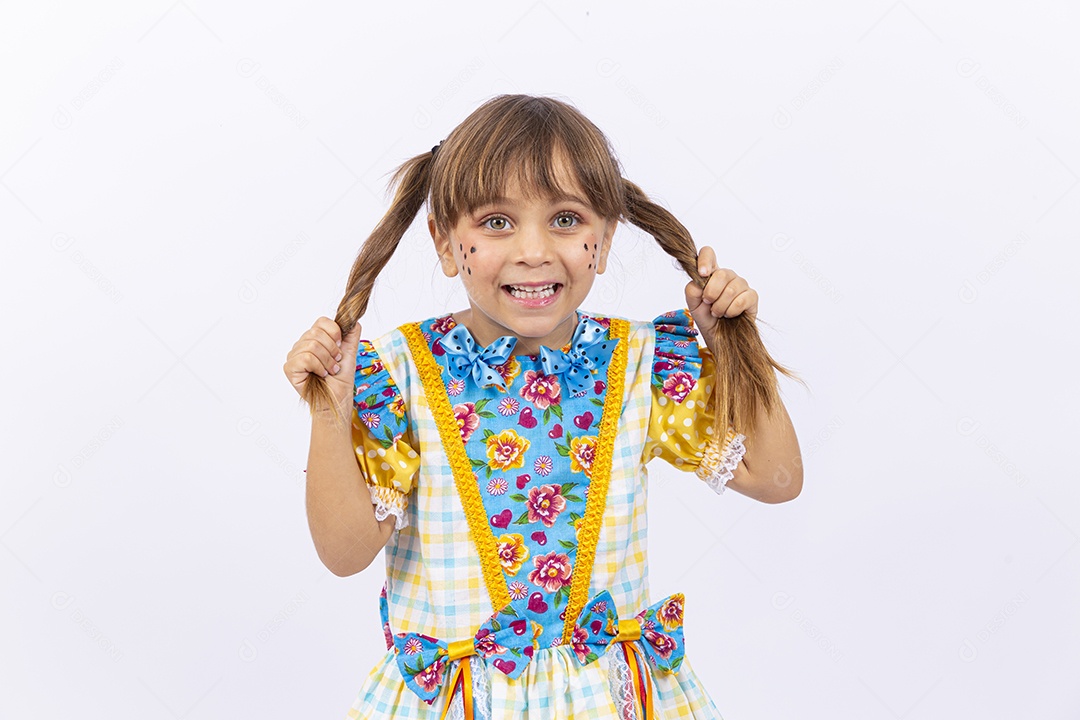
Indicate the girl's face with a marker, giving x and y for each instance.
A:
(527, 265)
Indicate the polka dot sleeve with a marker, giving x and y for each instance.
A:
(384, 444)
(680, 423)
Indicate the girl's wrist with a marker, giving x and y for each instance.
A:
(340, 419)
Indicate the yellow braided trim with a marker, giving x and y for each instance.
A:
(468, 492)
(589, 533)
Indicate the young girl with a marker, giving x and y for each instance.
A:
(498, 453)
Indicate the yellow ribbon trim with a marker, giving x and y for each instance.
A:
(461, 671)
(468, 492)
(461, 648)
(589, 533)
(629, 630)
(631, 652)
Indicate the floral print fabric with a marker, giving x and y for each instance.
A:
(519, 434)
(506, 431)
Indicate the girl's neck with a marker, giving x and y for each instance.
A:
(485, 332)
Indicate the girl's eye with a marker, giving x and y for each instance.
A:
(567, 216)
(496, 219)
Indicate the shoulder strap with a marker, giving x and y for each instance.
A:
(589, 533)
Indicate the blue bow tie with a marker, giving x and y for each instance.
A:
(576, 366)
(588, 351)
(466, 360)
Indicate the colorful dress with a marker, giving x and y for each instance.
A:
(516, 578)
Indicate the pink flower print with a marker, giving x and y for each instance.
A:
(664, 644)
(497, 486)
(557, 641)
(454, 387)
(543, 465)
(518, 590)
(430, 677)
(486, 646)
(670, 613)
(578, 643)
(387, 636)
(541, 390)
(685, 343)
(427, 336)
(509, 370)
(370, 419)
(362, 387)
(413, 646)
(545, 503)
(552, 571)
(444, 324)
(467, 419)
(678, 385)
(600, 607)
(508, 406)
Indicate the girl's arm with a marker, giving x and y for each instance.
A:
(771, 468)
(340, 513)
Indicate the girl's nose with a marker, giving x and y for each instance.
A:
(533, 245)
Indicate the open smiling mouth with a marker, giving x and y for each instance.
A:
(533, 293)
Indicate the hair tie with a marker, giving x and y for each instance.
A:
(435, 148)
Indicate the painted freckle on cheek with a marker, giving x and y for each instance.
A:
(472, 249)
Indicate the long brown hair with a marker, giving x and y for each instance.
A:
(519, 138)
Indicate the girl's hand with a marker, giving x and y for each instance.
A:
(320, 350)
(724, 295)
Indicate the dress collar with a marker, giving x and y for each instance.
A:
(444, 324)
(576, 361)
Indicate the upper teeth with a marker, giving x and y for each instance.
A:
(532, 292)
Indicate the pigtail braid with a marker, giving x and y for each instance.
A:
(745, 377)
(412, 180)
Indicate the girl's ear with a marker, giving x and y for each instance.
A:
(443, 248)
(605, 246)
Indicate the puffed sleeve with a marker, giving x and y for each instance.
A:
(382, 438)
(680, 422)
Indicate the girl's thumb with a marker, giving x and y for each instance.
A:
(350, 342)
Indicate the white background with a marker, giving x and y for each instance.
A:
(183, 188)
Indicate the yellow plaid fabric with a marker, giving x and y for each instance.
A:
(435, 584)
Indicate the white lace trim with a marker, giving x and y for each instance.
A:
(389, 501)
(716, 467)
(481, 692)
(621, 683)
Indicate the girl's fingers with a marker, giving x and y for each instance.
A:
(310, 355)
(327, 332)
(693, 295)
(314, 358)
(330, 327)
(739, 304)
(728, 286)
(717, 284)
